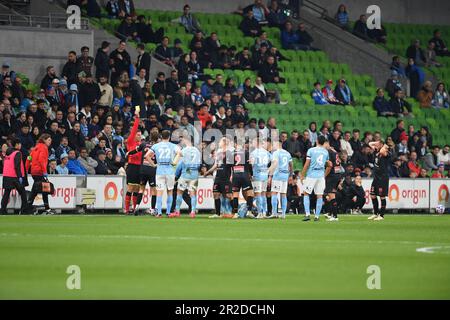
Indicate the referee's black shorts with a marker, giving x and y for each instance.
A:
(148, 175)
(133, 174)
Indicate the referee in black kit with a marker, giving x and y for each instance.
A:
(380, 183)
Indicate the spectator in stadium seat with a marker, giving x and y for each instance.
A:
(342, 18)
(145, 31)
(430, 55)
(127, 8)
(289, 38)
(317, 94)
(259, 9)
(102, 60)
(440, 47)
(293, 145)
(143, 61)
(440, 98)
(425, 95)
(7, 72)
(396, 65)
(399, 106)
(382, 105)
(269, 72)
(262, 39)
(328, 93)
(416, 77)
(102, 167)
(112, 7)
(439, 173)
(212, 46)
(413, 165)
(250, 26)
(402, 147)
(343, 93)
(120, 62)
(360, 28)
(276, 16)
(395, 168)
(74, 165)
(172, 84)
(89, 92)
(304, 38)
(361, 158)
(71, 69)
(188, 21)
(76, 137)
(393, 84)
(259, 57)
(378, 35)
(49, 77)
(127, 30)
(62, 167)
(335, 141)
(395, 134)
(85, 60)
(444, 156)
(416, 53)
(431, 159)
(346, 145)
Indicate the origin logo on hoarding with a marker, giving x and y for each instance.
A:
(394, 193)
(443, 193)
(110, 191)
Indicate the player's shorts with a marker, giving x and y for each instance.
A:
(331, 183)
(148, 175)
(316, 184)
(190, 184)
(133, 174)
(222, 186)
(165, 182)
(380, 187)
(279, 186)
(259, 186)
(241, 181)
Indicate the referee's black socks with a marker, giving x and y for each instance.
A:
(375, 205)
(383, 207)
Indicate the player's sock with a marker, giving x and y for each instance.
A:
(217, 203)
(139, 197)
(264, 204)
(268, 205)
(249, 203)
(169, 203)
(375, 205)
(187, 199)
(334, 208)
(235, 205)
(134, 199)
(283, 205)
(383, 207)
(193, 203)
(127, 201)
(274, 203)
(178, 202)
(159, 205)
(153, 202)
(258, 204)
(319, 204)
(306, 205)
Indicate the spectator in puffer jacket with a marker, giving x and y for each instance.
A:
(74, 165)
(381, 105)
(289, 38)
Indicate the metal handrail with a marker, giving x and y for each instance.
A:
(316, 8)
(52, 21)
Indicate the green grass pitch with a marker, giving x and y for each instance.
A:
(148, 258)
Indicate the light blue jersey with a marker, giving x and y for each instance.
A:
(282, 171)
(260, 158)
(190, 163)
(164, 154)
(319, 157)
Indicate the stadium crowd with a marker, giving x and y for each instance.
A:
(88, 115)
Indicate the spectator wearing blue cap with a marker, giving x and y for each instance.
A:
(62, 167)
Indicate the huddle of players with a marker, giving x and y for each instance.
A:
(261, 175)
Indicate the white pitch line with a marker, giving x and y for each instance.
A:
(446, 249)
(181, 238)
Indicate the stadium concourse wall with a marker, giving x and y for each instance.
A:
(30, 50)
(404, 194)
